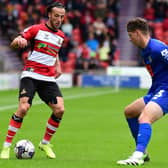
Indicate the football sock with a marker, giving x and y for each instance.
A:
(52, 125)
(144, 135)
(134, 127)
(14, 124)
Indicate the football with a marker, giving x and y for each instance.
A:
(24, 149)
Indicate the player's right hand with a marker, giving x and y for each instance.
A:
(19, 42)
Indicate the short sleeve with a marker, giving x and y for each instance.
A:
(30, 32)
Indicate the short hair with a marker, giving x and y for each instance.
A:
(138, 23)
(54, 4)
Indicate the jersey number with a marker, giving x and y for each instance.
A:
(159, 94)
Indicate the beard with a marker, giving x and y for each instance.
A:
(55, 25)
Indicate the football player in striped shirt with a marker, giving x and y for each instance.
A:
(39, 75)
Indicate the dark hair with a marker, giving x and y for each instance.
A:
(138, 23)
(54, 4)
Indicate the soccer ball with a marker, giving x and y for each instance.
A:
(24, 149)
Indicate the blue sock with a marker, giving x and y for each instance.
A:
(144, 135)
(134, 127)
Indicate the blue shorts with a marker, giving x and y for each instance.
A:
(160, 97)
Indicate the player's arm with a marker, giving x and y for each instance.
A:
(58, 67)
(19, 42)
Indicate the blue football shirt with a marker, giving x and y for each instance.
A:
(155, 57)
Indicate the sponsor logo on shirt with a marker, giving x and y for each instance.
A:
(46, 36)
(164, 53)
(48, 48)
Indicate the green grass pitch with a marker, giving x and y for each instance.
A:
(92, 134)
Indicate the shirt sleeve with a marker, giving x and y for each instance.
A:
(30, 32)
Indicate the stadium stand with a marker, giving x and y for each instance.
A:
(95, 30)
(96, 18)
(156, 12)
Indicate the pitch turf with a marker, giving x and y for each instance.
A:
(93, 132)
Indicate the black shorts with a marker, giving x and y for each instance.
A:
(47, 91)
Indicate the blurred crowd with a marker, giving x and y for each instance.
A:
(156, 12)
(91, 29)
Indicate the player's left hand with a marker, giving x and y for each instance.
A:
(58, 75)
(58, 68)
(58, 72)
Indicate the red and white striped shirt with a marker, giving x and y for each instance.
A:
(45, 45)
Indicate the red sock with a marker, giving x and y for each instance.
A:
(50, 129)
(14, 125)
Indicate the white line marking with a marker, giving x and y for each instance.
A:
(78, 96)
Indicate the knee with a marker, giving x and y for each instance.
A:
(143, 118)
(59, 111)
(128, 112)
(140, 119)
(23, 108)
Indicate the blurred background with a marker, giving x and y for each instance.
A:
(96, 41)
(97, 60)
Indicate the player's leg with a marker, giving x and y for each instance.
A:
(150, 114)
(54, 120)
(17, 118)
(53, 98)
(153, 111)
(52, 126)
(132, 112)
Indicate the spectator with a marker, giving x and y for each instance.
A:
(78, 26)
(67, 27)
(92, 43)
(100, 29)
(103, 53)
(149, 12)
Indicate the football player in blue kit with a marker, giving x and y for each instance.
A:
(143, 112)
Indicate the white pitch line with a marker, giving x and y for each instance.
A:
(65, 98)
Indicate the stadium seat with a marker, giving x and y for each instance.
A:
(159, 34)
